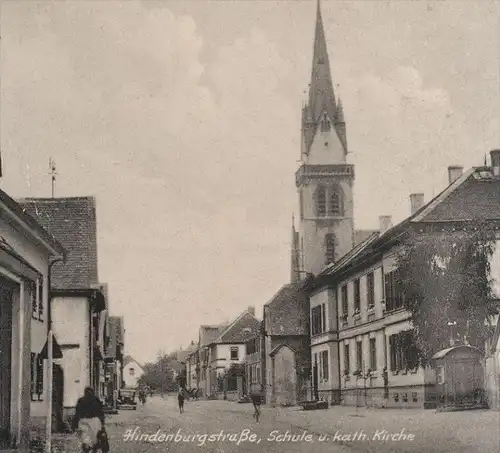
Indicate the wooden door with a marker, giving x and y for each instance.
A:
(6, 300)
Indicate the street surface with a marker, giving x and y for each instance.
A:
(158, 426)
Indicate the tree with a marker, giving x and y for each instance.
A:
(445, 282)
(159, 375)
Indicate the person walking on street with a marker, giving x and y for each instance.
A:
(180, 399)
(89, 420)
(256, 397)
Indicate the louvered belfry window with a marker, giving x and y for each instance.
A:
(330, 248)
(321, 201)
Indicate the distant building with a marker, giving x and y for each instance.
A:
(132, 372)
(286, 343)
(255, 363)
(114, 360)
(26, 250)
(221, 347)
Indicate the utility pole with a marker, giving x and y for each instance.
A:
(53, 173)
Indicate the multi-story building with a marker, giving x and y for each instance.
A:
(221, 347)
(78, 303)
(357, 312)
(26, 253)
(255, 362)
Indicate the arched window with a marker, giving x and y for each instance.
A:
(325, 124)
(329, 249)
(321, 201)
(335, 202)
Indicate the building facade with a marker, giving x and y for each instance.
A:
(357, 314)
(26, 251)
(286, 343)
(79, 303)
(255, 363)
(132, 372)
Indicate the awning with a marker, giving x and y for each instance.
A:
(56, 349)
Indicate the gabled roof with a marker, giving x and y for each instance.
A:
(361, 235)
(349, 256)
(469, 198)
(287, 313)
(129, 359)
(275, 350)
(30, 224)
(240, 330)
(72, 221)
(208, 334)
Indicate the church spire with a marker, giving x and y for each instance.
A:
(321, 94)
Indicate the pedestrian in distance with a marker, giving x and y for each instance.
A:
(256, 397)
(181, 398)
(89, 421)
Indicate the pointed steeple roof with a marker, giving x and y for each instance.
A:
(321, 94)
(340, 112)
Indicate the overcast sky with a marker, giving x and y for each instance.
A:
(183, 119)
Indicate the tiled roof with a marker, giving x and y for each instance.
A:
(288, 312)
(470, 198)
(18, 210)
(361, 235)
(130, 359)
(72, 221)
(208, 334)
(475, 199)
(240, 330)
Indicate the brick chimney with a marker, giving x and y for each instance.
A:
(454, 172)
(251, 310)
(416, 202)
(385, 223)
(495, 161)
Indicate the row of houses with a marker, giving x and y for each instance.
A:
(49, 285)
(339, 331)
(331, 336)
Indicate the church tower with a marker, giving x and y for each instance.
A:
(324, 179)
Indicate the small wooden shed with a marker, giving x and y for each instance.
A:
(459, 377)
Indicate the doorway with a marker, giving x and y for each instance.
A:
(6, 300)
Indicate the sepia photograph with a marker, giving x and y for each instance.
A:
(244, 226)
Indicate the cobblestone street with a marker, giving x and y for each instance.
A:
(149, 428)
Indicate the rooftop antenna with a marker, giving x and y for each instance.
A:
(53, 173)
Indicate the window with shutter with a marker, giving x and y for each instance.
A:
(33, 375)
(345, 301)
(33, 297)
(40, 298)
(359, 355)
(347, 362)
(357, 295)
(39, 377)
(324, 363)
